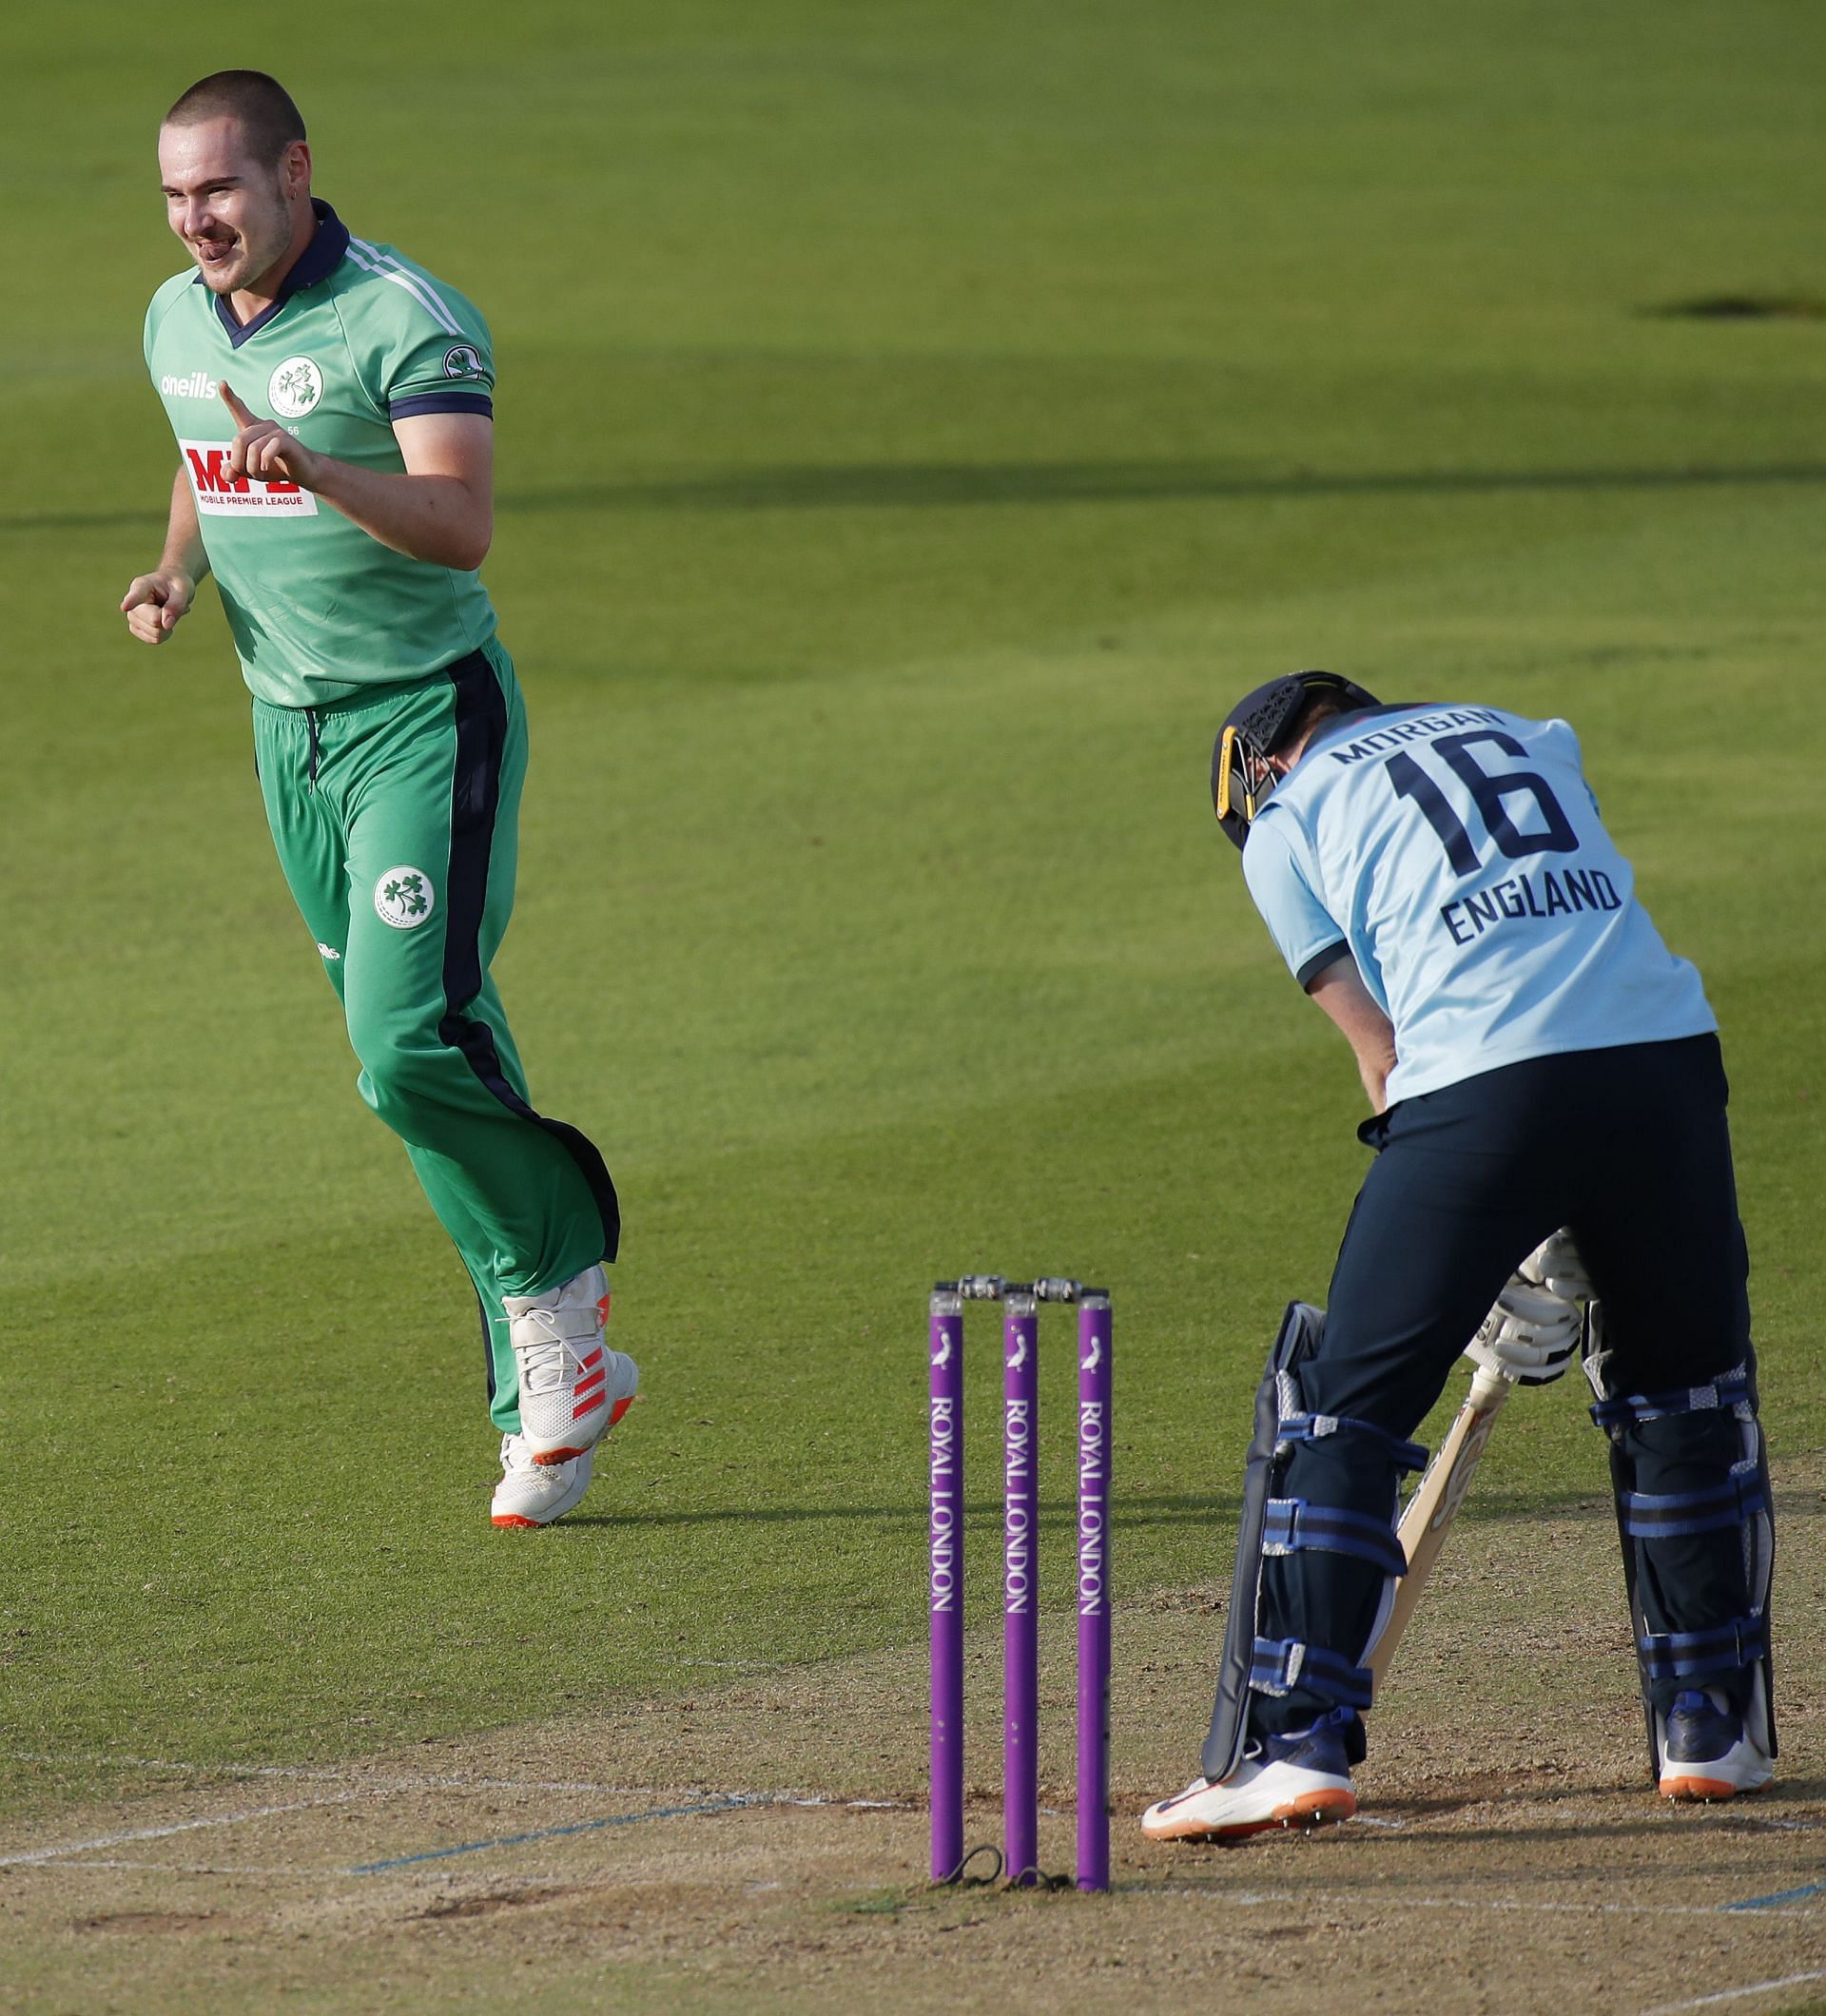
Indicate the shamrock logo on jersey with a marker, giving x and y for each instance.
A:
(294, 388)
(403, 898)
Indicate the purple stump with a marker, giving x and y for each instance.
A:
(1020, 1586)
(1094, 1389)
(945, 1585)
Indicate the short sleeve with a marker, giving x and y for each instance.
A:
(1306, 934)
(157, 308)
(1560, 742)
(441, 359)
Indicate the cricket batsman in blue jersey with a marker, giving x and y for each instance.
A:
(1553, 1171)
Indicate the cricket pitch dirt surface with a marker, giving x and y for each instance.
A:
(762, 1843)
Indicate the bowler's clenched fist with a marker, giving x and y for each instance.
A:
(155, 603)
(262, 449)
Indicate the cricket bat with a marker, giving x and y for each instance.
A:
(1430, 1512)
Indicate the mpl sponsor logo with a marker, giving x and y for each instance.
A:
(222, 496)
(193, 385)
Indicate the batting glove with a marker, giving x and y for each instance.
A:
(1538, 1322)
(1555, 1264)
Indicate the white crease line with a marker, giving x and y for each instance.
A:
(27, 1858)
(420, 1781)
(457, 1781)
(311, 1773)
(1759, 1988)
(42, 1856)
(198, 1868)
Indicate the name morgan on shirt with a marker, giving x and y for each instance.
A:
(1380, 739)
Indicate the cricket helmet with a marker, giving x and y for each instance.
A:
(1256, 728)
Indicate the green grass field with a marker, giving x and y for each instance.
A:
(916, 424)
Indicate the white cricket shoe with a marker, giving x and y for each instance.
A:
(573, 1388)
(1287, 1781)
(533, 1494)
(1707, 1753)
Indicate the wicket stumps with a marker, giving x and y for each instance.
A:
(1020, 1573)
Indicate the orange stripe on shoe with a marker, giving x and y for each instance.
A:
(1311, 1810)
(1687, 1787)
(1317, 1809)
(594, 1358)
(619, 1408)
(588, 1406)
(595, 1379)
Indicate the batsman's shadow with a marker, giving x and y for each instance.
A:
(1651, 1815)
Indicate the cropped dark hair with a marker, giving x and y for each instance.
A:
(262, 104)
(1319, 707)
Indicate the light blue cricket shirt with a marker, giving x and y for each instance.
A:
(1457, 853)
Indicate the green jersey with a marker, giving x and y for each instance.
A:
(358, 338)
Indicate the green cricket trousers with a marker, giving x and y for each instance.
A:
(396, 816)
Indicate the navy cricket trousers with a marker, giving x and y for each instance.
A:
(1629, 1148)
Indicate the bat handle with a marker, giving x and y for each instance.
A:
(1489, 1389)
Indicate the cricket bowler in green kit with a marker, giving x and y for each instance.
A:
(332, 409)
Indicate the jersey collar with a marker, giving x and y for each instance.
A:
(318, 261)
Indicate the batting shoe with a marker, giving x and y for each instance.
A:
(1705, 1753)
(1299, 1780)
(573, 1388)
(533, 1494)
